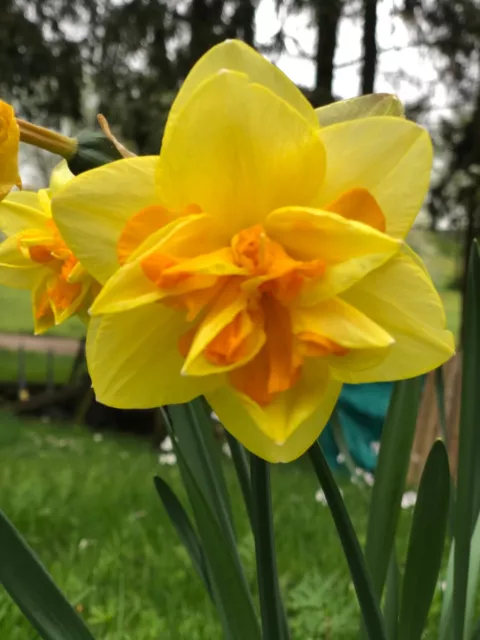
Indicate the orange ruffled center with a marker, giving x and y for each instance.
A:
(254, 344)
(48, 249)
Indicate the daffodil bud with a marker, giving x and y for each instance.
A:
(93, 149)
(88, 150)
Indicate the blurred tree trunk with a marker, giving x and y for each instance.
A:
(203, 16)
(327, 19)
(369, 44)
(472, 231)
(245, 16)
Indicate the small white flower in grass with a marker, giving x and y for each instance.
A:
(340, 458)
(409, 499)
(167, 458)
(320, 497)
(442, 585)
(214, 416)
(375, 447)
(369, 478)
(97, 437)
(226, 450)
(84, 544)
(167, 444)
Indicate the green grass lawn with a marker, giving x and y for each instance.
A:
(89, 510)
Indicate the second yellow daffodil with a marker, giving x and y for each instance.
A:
(34, 256)
(259, 260)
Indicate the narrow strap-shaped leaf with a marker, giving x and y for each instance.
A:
(229, 586)
(33, 590)
(273, 614)
(392, 598)
(184, 529)
(240, 462)
(427, 539)
(445, 625)
(440, 396)
(473, 578)
(193, 436)
(468, 473)
(392, 467)
(195, 464)
(200, 415)
(372, 616)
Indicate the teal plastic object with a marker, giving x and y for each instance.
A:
(362, 409)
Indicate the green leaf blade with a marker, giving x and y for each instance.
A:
(371, 613)
(427, 539)
(193, 435)
(473, 579)
(392, 599)
(390, 476)
(468, 474)
(229, 586)
(184, 529)
(33, 590)
(274, 622)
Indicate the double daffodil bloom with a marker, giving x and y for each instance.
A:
(259, 260)
(34, 256)
(9, 143)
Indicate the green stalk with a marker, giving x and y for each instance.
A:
(468, 485)
(273, 619)
(362, 581)
(240, 462)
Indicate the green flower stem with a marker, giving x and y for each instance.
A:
(274, 624)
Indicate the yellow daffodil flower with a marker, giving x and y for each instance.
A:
(9, 143)
(34, 256)
(259, 260)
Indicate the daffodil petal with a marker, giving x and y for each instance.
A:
(342, 323)
(16, 270)
(62, 312)
(283, 430)
(43, 317)
(350, 249)
(400, 297)
(235, 55)
(229, 304)
(367, 343)
(61, 174)
(22, 210)
(390, 157)
(238, 151)
(134, 361)
(91, 210)
(312, 233)
(129, 287)
(374, 104)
